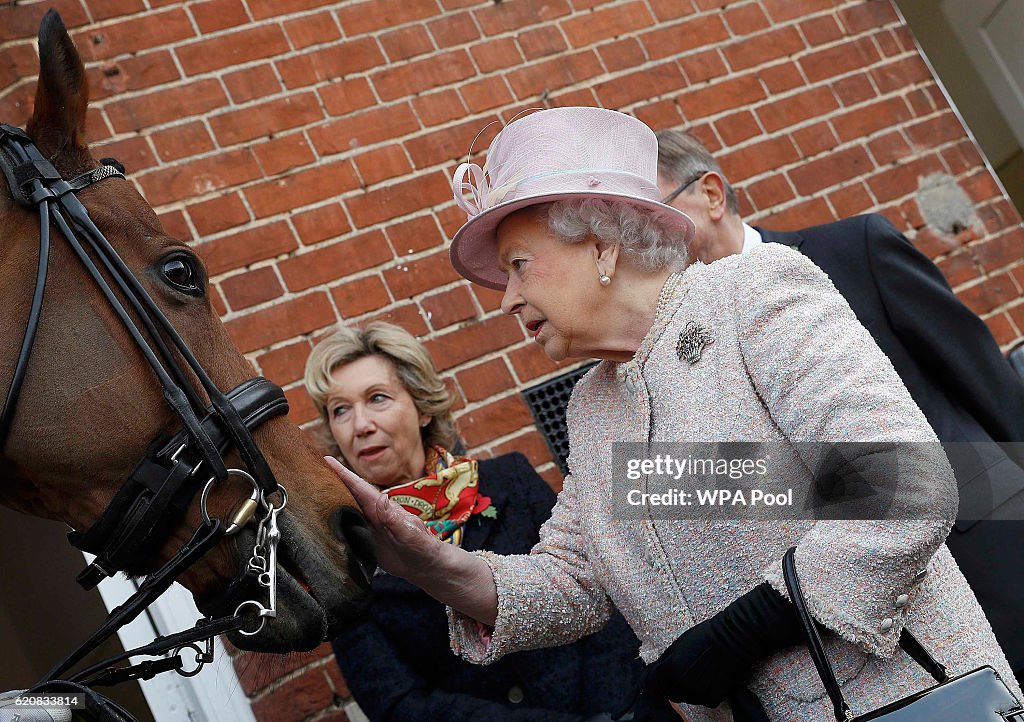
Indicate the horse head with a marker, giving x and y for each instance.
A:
(90, 405)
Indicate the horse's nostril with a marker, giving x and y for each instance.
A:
(349, 527)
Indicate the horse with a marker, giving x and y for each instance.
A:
(93, 395)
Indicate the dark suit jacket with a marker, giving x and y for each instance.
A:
(399, 665)
(955, 372)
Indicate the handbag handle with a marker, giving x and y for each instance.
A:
(821, 661)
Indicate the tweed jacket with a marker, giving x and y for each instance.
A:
(789, 362)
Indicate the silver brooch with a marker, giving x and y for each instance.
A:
(692, 342)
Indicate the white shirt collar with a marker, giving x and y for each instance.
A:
(751, 238)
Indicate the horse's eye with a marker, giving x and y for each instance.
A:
(181, 273)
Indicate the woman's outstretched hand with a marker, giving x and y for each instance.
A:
(406, 549)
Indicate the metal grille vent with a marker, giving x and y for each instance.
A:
(547, 402)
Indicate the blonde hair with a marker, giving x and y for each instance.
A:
(412, 365)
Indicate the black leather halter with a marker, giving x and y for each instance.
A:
(146, 510)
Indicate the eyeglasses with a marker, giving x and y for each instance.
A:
(675, 194)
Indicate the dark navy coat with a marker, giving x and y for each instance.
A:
(400, 667)
(967, 390)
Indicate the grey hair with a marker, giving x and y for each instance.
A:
(681, 158)
(648, 242)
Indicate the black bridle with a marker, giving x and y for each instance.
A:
(149, 506)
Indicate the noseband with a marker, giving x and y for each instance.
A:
(150, 505)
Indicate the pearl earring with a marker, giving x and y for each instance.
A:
(604, 279)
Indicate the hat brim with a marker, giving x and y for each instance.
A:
(474, 248)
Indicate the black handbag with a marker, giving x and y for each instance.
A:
(977, 696)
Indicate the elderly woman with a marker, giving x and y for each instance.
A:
(756, 348)
(389, 414)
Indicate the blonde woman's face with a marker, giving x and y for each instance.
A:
(375, 422)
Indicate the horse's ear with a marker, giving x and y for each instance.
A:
(58, 119)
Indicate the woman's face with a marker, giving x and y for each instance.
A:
(375, 422)
(553, 285)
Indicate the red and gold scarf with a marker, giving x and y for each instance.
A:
(446, 497)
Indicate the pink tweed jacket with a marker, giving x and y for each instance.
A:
(789, 362)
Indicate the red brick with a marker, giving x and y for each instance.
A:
(670, 9)
(256, 671)
(867, 16)
(366, 17)
(382, 163)
(839, 59)
(815, 138)
(685, 36)
(250, 288)
(213, 15)
(934, 243)
(900, 74)
(302, 188)
(293, 110)
(811, 103)
(399, 199)
(662, 114)
(133, 153)
(737, 127)
(552, 475)
(486, 93)
(988, 295)
(218, 213)
(541, 42)
(766, 155)
(781, 77)
(607, 23)
(107, 9)
(296, 699)
(485, 380)
(328, 263)
(440, 107)
(331, 62)
(269, 8)
(959, 268)
(888, 42)
(1003, 250)
(253, 43)
(869, 119)
(312, 30)
(530, 443)
(489, 299)
(341, 690)
(164, 106)
(622, 54)
(453, 29)
(503, 17)
(346, 96)
(702, 66)
(414, 235)
(217, 301)
(131, 73)
(782, 10)
(410, 278)
(321, 224)
(854, 89)
(282, 321)
(555, 73)
(831, 170)
(889, 148)
(496, 54)
(961, 157)
(407, 316)
(196, 177)
(355, 297)
(449, 143)
(437, 70)
(809, 213)
(473, 340)
(448, 307)
(770, 192)
(175, 225)
(283, 153)
(180, 141)
(820, 30)
(286, 364)
(300, 411)
(20, 61)
(936, 131)
(405, 43)
(530, 362)
(495, 419)
(733, 92)
(366, 128)
(746, 19)
(896, 181)
(641, 85)
(245, 247)
(251, 83)
(851, 200)
(134, 35)
(1002, 328)
(764, 47)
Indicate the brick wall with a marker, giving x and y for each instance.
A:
(306, 147)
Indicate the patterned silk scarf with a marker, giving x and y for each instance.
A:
(446, 497)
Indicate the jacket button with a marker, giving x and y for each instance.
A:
(901, 601)
(515, 694)
(886, 625)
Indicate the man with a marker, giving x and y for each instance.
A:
(945, 355)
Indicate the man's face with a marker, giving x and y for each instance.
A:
(694, 203)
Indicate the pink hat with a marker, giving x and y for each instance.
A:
(548, 156)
